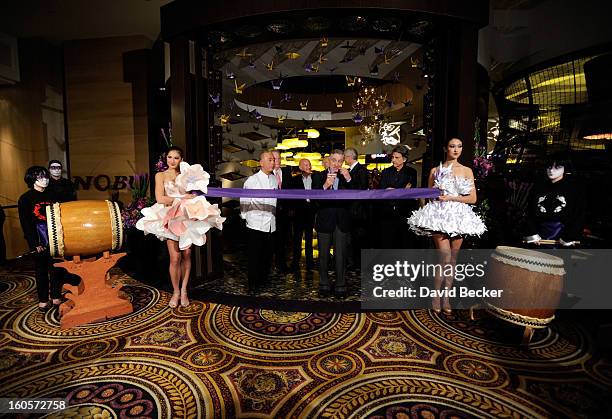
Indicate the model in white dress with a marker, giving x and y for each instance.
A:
(448, 217)
(180, 217)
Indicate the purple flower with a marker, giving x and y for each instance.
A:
(161, 165)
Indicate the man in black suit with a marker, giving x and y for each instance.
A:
(333, 222)
(281, 239)
(303, 222)
(358, 209)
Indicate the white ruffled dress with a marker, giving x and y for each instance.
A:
(186, 220)
(448, 217)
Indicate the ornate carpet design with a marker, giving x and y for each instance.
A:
(211, 360)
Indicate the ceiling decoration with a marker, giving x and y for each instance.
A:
(353, 23)
(317, 24)
(303, 80)
(280, 27)
(387, 24)
(248, 31)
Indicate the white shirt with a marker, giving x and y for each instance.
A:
(259, 213)
(353, 165)
(307, 180)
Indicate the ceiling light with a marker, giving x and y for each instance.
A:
(605, 136)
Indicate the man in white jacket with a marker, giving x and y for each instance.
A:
(260, 216)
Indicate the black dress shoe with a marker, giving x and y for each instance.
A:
(324, 292)
(341, 294)
(45, 308)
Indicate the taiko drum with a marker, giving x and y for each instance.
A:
(84, 228)
(532, 282)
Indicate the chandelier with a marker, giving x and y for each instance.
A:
(369, 105)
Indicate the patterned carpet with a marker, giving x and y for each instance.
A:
(212, 360)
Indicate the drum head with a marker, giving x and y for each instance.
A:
(529, 259)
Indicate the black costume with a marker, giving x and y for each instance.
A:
(303, 223)
(556, 211)
(32, 215)
(360, 213)
(283, 223)
(393, 213)
(332, 222)
(61, 190)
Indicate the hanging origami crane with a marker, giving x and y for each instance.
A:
(358, 119)
(304, 105)
(224, 119)
(312, 68)
(323, 42)
(270, 66)
(281, 119)
(286, 98)
(276, 84)
(244, 54)
(321, 59)
(215, 99)
(350, 81)
(293, 55)
(230, 75)
(339, 103)
(239, 89)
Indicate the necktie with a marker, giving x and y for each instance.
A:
(278, 179)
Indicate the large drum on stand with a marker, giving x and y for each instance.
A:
(84, 228)
(88, 228)
(532, 282)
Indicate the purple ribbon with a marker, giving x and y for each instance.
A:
(410, 193)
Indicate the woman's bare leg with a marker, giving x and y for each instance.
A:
(442, 244)
(185, 272)
(455, 245)
(175, 271)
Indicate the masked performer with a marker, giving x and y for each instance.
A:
(449, 218)
(180, 217)
(32, 215)
(556, 207)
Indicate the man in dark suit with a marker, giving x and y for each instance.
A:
(358, 209)
(281, 239)
(303, 222)
(333, 222)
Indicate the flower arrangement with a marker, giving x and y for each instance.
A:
(131, 214)
(482, 164)
(168, 138)
(139, 187)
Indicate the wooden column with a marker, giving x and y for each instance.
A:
(455, 94)
(181, 95)
(192, 126)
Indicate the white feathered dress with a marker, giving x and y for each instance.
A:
(448, 217)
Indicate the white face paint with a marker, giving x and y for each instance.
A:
(56, 173)
(555, 172)
(42, 182)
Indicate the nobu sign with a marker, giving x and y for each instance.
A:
(103, 182)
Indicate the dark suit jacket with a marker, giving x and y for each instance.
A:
(332, 213)
(284, 205)
(301, 206)
(359, 177)
(359, 180)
